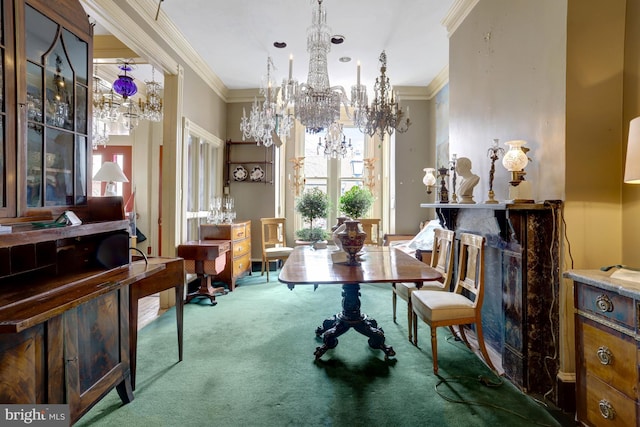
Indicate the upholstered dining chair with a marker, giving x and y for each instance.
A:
(462, 306)
(371, 226)
(274, 242)
(441, 260)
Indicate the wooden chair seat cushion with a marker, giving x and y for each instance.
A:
(404, 289)
(437, 306)
(278, 251)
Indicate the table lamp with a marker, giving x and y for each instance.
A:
(110, 173)
(632, 164)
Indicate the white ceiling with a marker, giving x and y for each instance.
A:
(235, 38)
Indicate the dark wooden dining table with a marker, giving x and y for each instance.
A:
(378, 264)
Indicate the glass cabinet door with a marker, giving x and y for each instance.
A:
(56, 87)
(7, 113)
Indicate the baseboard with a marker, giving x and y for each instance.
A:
(566, 386)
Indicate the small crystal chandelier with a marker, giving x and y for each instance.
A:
(151, 109)
(335, 143)
(267, 120)
(316, 103)
(384, 115)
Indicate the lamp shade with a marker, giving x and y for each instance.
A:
(632, 165)
(110, 172)
(515, 159)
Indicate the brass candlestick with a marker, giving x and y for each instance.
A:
(494, 153)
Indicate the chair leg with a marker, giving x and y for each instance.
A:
(394, 299)
(463, 336)
(414, 322)
(268, 268)
(434, 349)
(262, 267)
(410, 318)
(483, 348)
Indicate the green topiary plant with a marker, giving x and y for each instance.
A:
(312, 204)
(356, 202)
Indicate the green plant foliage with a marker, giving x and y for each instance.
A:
(312, 204)
(312, 234)
(356, 202)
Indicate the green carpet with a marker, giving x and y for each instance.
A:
(248, 361)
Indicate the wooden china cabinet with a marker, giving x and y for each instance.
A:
(64, 289)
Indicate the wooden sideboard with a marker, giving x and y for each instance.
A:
(607, 350)
(238, 262)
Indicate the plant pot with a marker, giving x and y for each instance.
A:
(352, 239)
(341, 220)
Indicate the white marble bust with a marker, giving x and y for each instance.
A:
(468, 180)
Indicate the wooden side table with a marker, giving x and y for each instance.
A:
(206, 258)
(171, 277)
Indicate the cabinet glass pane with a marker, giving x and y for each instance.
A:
(34, 165)
(78, 54)
(4, 108)
(81, 170)
(59, 93)
(40, 34)
(3, 201)
(34, 93)
(59, 168)
(81, 109)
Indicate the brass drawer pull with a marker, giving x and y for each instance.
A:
(604, 304)
(606, 410)
(605, 356)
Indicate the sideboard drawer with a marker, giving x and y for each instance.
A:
(241, 264)
(604, 401)
(238, 232)
(241, 248)
(610, 357)
(611, 305)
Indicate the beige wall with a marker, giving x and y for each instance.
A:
(631, 193)
(415, 150)
(507, 81)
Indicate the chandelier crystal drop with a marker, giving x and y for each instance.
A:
(316, 103)
(384, 115)
(268, 119)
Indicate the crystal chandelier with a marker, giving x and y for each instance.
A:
(267, 120)
(335, 143)
(316, 103)
(151, 109)
(384, 115)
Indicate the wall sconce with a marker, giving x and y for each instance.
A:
(110, 173)
(632, 164)
(429, 179)
(297, 183)
(370, 176)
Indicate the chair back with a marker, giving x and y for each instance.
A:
(470, 280)
(371, 226)
(442, 254)
(273, 232)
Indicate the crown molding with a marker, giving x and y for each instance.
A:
(457, 14)
(127, 30)
(438, 82)
(422, 93)
(243, 95)
(170, 34)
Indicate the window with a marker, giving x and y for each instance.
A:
(204, 166)
(334, 176)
